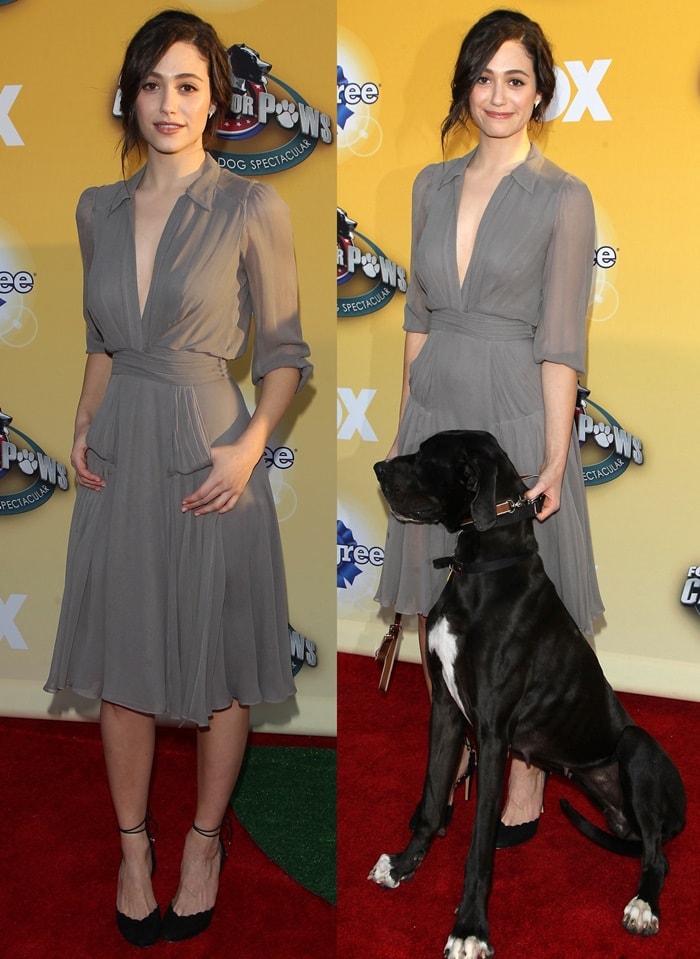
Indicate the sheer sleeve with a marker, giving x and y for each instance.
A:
(561, 334)
(268, 257)
(84, 220)
(416, 318)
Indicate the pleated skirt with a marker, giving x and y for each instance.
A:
(166, 612)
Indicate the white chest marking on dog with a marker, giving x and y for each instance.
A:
(443, 642)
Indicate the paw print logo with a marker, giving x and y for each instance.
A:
(370, 265)
(27, 462)
(603, 435)
(287, 114)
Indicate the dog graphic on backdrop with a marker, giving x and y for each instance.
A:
(506, 658)
(247, 66)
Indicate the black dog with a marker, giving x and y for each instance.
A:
(505, 656)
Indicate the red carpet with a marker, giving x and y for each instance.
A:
(558, 896)
(59, 856)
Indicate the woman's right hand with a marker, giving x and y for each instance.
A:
(98, 369)
(78, 458)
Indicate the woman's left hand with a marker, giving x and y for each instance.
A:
(231, 468)
(549, 483)
(559, 384)
(232, 464)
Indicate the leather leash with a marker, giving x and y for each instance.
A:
(514, 510)
(388, 651)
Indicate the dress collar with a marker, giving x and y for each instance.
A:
(525, 174)
(200, 190)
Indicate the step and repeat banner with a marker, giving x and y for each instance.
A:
(626, 120)
(58, 135)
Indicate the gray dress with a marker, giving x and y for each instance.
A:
(165, 612)
(523, 300)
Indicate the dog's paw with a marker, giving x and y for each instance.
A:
(639, 918)
(469, 948)
(381, 873)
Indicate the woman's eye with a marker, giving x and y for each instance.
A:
(188, 88)
(149, 85)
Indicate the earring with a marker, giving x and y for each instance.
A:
(212, 111)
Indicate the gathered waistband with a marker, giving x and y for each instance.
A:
(481, 324)
(179, 367)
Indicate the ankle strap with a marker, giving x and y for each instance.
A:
(136, 829)
(207, 833)
(147, 825)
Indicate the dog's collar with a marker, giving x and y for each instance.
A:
(513, 511)
(488, 566)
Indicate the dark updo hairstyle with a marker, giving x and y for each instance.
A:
(478, 48)
(146, 48)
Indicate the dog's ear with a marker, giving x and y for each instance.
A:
(484, 503)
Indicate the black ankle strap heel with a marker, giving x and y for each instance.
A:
(208, 833)
(142, 932)
(150, 827)
(175, 928)
(223, 831)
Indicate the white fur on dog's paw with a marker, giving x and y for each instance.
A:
(469, 948)
(639, 918)
(381, 873)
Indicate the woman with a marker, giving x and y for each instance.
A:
(502, 256)
(175, 599)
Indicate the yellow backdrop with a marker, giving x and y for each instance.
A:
(57, 135)
(626, 120)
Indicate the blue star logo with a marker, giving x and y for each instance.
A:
(344, 111)
(347, 570)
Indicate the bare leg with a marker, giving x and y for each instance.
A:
(220, 750)
(525, 792)
(128, 740)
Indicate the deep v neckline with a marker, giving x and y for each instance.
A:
(462, 281)
(156, 257)
(495, 198)
(199, 190)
